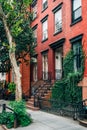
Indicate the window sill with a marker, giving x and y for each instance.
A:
(44, 9)
(56, 33)
(34, 18)
(44, 40)
(76, 21)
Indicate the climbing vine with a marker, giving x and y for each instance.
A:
(66, 89)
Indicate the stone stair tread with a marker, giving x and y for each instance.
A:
(83, 122)
(32, 107)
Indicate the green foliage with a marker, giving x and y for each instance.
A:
(18, 21)
(23, 118)
(7, 118)
(68, 63)
(67, 90)
(20, 109)
(12, 87)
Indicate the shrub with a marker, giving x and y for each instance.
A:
(19, 108)
(20, 114)
(7, 118)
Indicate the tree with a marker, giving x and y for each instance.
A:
(16, 36)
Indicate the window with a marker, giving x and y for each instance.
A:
(58, 18)
(35, 71)
(2, 76)
(34, 11)
(77, 50)
(77, 55)
(35, 37)
(44, 30)
(45, 66)
(35, 34)
(44, 4)
(58, 21)
(76, 10)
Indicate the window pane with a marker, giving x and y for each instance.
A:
(44, 1)
(45, 33)
(77, 56)
(76, 4)
(58, 21)
(35, 11)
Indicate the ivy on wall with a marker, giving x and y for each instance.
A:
(66, 89)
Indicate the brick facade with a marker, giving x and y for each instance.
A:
(69, 31)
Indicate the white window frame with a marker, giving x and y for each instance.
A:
(34, 11)
(45, 66)
(58, 20)
(35, 72)
(76, 10)
(45, 30)
(44, 4)
(35, 36)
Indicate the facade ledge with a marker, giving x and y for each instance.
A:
(44, 40)
(57, 44)
(57, 32)
(76, 21)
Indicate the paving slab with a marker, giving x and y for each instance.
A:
(47, 121)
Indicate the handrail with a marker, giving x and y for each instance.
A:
(4, 109)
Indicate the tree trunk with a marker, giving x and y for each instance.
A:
(13, 61)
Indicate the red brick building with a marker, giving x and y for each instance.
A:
(58, 26)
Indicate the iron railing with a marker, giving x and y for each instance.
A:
(4, 107)
(74, 110)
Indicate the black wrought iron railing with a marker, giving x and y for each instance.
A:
(40, 91)
(74, 110)
(4, 107)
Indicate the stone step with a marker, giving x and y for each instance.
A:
(83, 122)
(32, 107)
(30, 103)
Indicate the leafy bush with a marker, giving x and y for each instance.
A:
(11, 87)
(67, 90)
(7, 118)
(19, 108)
(20, 114)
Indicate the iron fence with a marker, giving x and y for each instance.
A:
(74, 110)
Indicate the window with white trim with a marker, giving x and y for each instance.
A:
(34, 11)
(58, 21)
(35, 36)
(76, 9)
(44, 4)
(44, 30)
(45, 66)
(77, 48)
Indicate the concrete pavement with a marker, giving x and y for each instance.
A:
(46, 121)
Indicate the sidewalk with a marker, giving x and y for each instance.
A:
(46, 121)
